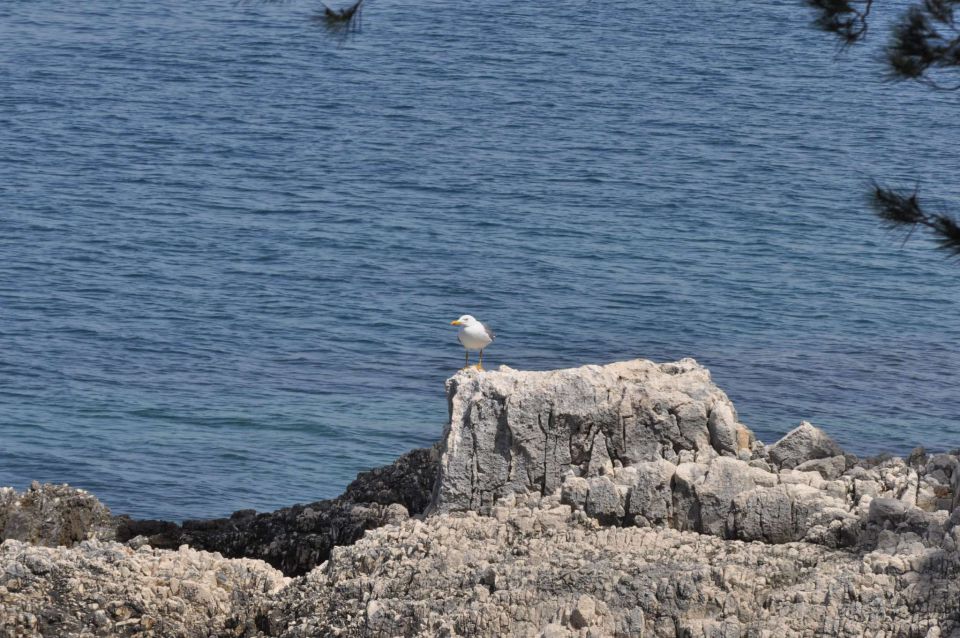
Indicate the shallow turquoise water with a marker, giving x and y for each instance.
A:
(231, 246)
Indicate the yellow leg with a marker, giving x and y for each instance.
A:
(480, 365)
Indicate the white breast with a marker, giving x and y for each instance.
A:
(473, 336)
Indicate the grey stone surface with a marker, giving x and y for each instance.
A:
(725, 478)
(829, 468)
(53, 515)
(574, 491)
(887, 510)
(764, 515)
(514, 431)
(650, 501)
(574, 431)
(686, 503)
(557, 575)
(107, 589)
(937, 487)
(803, 443)
(604, 501)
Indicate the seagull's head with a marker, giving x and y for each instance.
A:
(465, 320)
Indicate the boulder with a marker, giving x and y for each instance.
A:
(887, 511)
(686, 502)
(725, 478)
(764, 515)
(829, 468)
(574, 491)
(515, 431)
(53, 515)
(650, 501)
(604, 501)
(936, 485)
(803, 443)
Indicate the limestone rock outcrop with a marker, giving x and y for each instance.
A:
(514, 432)
(539, 570)
(108, 589)
(803, 444)
(53, 515)
(639, 443)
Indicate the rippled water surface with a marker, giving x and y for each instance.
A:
(231, 245)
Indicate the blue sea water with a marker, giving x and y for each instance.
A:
(231, 244)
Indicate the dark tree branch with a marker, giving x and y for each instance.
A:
(924, 44)
(902, 209)
(918, 50)
(342, 21)
(919, 47)
(846, 18)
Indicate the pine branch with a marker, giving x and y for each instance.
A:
(846, 18)
(921, 43)
(900, 209)
(924, 44)
(344, 21)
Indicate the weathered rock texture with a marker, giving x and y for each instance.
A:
(516, 432)
(530, 569)
(623, 500)
(297, 539)
(542, 572)
(749, 500)
(637, 443)
(53, 515)
(108, 589)
(803, 444)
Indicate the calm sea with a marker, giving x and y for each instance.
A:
(231, 245)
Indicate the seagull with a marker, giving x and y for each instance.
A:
(474, 335)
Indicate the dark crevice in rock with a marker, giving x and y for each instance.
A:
(503, 445)
(476, 497)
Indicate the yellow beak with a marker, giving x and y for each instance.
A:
(455, 323)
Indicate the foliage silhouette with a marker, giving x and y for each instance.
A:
(344, 21)
(924, 46)
(902, 209)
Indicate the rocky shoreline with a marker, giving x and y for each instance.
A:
(618, 500)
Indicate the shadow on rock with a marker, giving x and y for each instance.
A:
(296, 539)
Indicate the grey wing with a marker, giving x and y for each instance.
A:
(490, 332)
